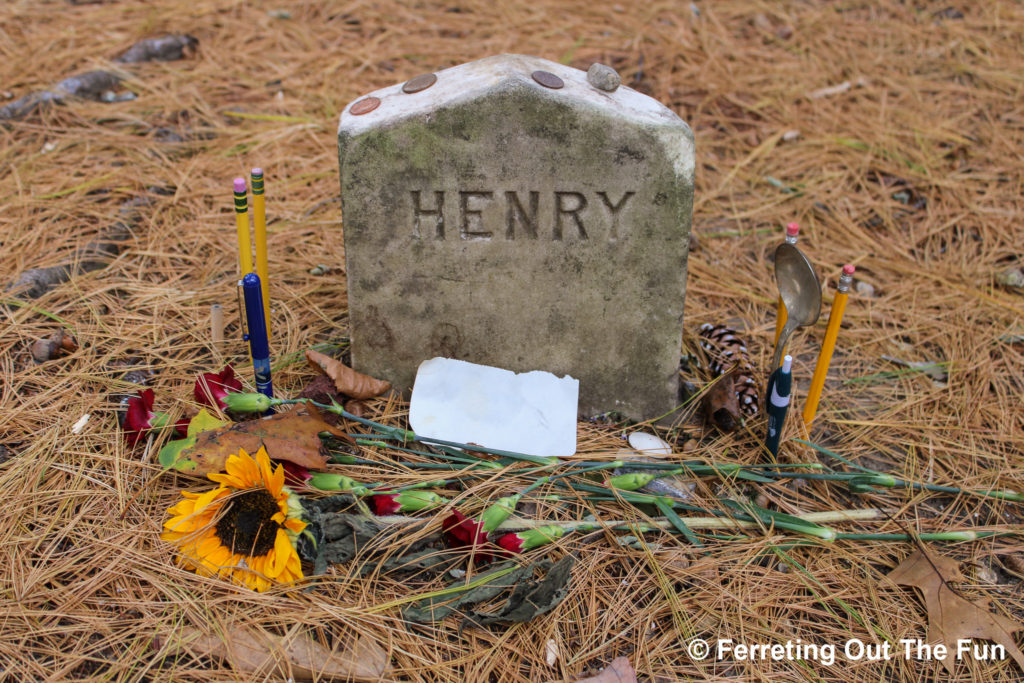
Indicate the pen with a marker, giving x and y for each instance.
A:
(780, 386)
(259, 222)
(257, 333)
(835, 317)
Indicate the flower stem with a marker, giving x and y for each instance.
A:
(695, 522)
(766, 517)
(936, 536)
(467, 459)
(408, 435)
(882, 479)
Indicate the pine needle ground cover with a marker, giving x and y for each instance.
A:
(892, 132)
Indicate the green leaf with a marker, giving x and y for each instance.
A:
(677, 522)
(204, 422)
(170, 454)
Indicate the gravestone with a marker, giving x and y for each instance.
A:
(510, 213)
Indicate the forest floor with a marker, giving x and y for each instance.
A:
(892, 132)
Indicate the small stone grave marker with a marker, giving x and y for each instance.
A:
(510, 213)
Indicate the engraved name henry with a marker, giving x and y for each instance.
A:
(508, 215)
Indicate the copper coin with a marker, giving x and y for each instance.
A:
(548, 79)
(421, 82)
(364, 106)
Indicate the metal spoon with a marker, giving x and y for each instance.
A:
(800, 291)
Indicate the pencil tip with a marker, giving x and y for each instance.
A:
(239, 184)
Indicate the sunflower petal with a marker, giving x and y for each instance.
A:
(282, 551)
(184, 524)
(222, 557)
(295, 565)
(266, 471)
(207, 499)
(232, 465)
(244, 467)
(276, 482)
(252, 470)
(230, 480)
(182, 507)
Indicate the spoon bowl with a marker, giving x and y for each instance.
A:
(800, 291)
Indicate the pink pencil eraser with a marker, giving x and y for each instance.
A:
(848, 269)
(792, 229)
(239, 184)
(257, 171)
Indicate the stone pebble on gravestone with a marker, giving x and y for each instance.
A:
(510, 213)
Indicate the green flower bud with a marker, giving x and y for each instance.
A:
(416, 500)
(533, 538)
(497, 513)
(247, 403)
(632, 481)
(159, 420)
(327, 481)
(886, 480)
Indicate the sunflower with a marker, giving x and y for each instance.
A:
(244, 530)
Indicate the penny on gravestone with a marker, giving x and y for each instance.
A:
(494, 219)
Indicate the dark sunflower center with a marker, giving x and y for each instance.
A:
(246, 525)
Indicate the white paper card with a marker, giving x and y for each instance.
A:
(533, 412)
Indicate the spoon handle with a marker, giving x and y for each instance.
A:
(787, 331)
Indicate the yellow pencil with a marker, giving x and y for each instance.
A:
(242, 223)
(259, 220)
(835, 317)
(792, 230)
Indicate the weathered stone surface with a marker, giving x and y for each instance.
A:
(490, 219)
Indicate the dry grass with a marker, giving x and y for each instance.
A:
(935, 101)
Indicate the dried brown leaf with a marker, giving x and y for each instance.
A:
(292, 436)
(952, 618)
(346, 380)
(619, 671)
(299, 657)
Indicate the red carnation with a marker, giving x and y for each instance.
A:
(294, 474)
(138, 416)
(461, 531)
(212, 387)
(385, 503)
(531, 538)
(511, 542)
(388, 503)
